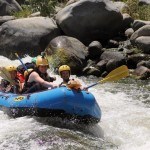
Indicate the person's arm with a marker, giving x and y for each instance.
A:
(51, 79)
(35, 77)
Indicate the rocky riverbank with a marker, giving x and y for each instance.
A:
(92, 36)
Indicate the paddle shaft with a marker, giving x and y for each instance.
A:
(92, 85)
(21, 61)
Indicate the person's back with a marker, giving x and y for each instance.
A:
(38, 79)
(22, 68)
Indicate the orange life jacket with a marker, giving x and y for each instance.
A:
(74, 84)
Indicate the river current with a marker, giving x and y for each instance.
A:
(125, 122)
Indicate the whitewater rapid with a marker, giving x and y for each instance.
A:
(125, 122)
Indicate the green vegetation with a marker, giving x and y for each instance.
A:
(26, 11)
(136, 11)
(59, 57)
(45, 7)
(136, 50)
(144, 12)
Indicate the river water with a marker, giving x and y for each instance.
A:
(125, 122)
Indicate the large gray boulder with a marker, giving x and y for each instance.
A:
(129, 32)
(121, 6)
(144, 63)
(142, 72)
(27, 36)
(134, 59)
(141, 38)
(114, 59)
(143, 42)
(67, 50)
(90, 20)
(5, 19)
(108, 55)
(71, 2)
(127, 21)
(143, 31)
(139, 23)
(144, 2)
(7, 7)
(94, 50)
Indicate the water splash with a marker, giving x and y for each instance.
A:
(125, 122)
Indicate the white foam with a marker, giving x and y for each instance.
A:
(125, 122)
(125, 119)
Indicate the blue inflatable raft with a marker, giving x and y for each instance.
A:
(59, 102)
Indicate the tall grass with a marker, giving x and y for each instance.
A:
(136, 11)
(24, 13)
(47, 8)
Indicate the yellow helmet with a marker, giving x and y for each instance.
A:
(64, 68)
(41, 61)
(11, 68)
(27, 72)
